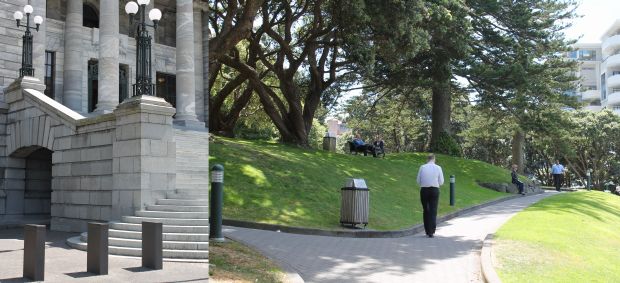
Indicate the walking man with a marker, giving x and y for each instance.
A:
(430, 177)
(515, 179)
(557, 171)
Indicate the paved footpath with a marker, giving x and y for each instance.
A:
(452, 256)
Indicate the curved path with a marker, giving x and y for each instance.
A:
(452, 256)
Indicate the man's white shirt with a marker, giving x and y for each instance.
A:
(430, 175)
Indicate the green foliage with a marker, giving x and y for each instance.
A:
(317, 132)
(570, 237)
(278, 184)
(446, 144)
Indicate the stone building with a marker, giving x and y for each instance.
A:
(76, 146)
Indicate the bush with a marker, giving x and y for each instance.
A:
(446, 144)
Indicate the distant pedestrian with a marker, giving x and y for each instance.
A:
(557, 171)
(515, 179)
(430, 177)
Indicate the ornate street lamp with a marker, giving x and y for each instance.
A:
(27, 69)
(143, 85)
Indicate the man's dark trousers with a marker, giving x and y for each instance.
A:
(557, 181)
(430, 199)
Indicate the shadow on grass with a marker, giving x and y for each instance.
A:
(576, 203)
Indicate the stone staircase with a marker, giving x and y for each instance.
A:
(184, 212)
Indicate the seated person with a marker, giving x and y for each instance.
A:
(515, 179)
(378, 146)
(358, 142)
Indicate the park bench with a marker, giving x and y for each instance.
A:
(365, 149)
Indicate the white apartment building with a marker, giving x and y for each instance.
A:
(599, 71)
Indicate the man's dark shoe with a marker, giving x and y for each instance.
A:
(430, 235)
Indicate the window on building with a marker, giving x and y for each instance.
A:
(573, 54)
(93, 83)
(603, 87)
(587, 54)
(613, 73)
(50, 69)
(91, 18)
(166, 87)
(588, 87)
(587, 69)
(616, 108)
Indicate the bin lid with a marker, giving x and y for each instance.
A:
(356, 183)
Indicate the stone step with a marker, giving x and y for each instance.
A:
(166, 228)
(179, 237)
(167, 221)
(172, 214)
(194, 191)
(165, 207)
(167, 245)
(172, 195)
(185, 202)
(185, 255)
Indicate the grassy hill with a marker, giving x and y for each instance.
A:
(277, 184)
(571, 237)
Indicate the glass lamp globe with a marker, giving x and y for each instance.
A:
(18, 15)
(131, 8)
(28, 9)
(38, 20)
(155, 15)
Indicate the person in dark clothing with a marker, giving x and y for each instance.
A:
(515, 179)
(378, 146)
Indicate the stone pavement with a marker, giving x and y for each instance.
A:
(452, 256)
(63, 264)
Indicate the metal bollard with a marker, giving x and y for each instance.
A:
(34, 252)
(589, 185)
(217, 200)
(452, 180)
(97, 257)
(152, 245)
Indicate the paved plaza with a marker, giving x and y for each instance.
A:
(452, 256)
(63, 264)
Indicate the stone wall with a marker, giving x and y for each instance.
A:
(101, 167)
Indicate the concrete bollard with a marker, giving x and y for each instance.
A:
(34, 252)
(152, 245)
(452, 192)
(97, 257)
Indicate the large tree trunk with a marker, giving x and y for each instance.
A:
(518, 143)
(442, 99)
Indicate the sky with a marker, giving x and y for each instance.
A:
(597, 16)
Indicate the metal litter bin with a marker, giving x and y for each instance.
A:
(354, 203)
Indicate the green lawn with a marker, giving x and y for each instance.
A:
(271, 183)
(572, 237)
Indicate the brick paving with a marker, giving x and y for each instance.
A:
(63, 264)
(452, 256)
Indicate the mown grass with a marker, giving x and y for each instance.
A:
(277, 184)
(234, 262)
(572, 237)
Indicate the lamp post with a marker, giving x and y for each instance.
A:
(27, 69)
(143, 85)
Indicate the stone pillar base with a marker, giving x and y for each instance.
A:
(190, 124)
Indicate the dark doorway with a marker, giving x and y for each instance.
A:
(167, 87)
(38, 183)
(93, 83)
(90, 18)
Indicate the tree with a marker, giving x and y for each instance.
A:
(312, 45)
(517, 67)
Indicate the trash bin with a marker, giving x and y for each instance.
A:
(354, 203)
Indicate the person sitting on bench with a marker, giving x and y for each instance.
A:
(358, 142)
(515, 179)
(378, 146)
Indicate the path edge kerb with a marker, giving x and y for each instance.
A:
(486, 261)
(361, 233)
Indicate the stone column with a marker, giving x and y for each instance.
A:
(39, 40)
(198, 61)
(206, 35)
(72, 79)
(108, 56)
(186, 85)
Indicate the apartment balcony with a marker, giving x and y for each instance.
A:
(614, 81)
(590, 95)
(593, 108)
(613, 98)
(611, 44)
(613, 62)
